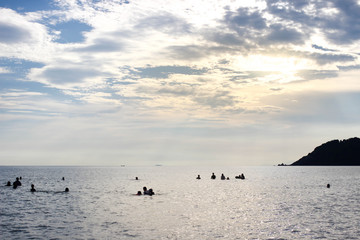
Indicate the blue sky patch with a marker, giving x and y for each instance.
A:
(72, 31)
(28, 5)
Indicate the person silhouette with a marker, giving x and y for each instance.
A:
(8, 184)
(66, 189)
(222, 177)
(213, 176)
(17, 183)
(32, 188)
(198, 177)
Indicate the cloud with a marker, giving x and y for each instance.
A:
(245, 20)
(5, 70)
(164, 22)
(10, 33)
(279, 34)
(322, 48)
(15, 28)
(187, 52)
(349, 68)
(66, 76)
(338, 20)
(165, 71)
(317, 74)
(344, 26)
(331, 58)
(101, 45)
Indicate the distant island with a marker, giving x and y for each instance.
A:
(333, 153)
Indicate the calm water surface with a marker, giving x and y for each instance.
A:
(271, 203)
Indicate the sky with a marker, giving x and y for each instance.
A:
(138, 82)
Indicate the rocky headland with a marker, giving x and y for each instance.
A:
(333, 153)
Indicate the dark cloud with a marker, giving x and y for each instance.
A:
(317, 74)
(291, 11)
(165, 71)
(279, 34)
(320, 58)
(68, 75)
(330, 58)
(349, 68)
(102, 45)
(177, 91)
(225, 38)
(220, 99)
(13, 34)
(245, 20)
(276, 89)
(188, 52)
(344, 26)
(322, 48)
(341, 27)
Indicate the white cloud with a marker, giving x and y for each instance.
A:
(151, 75)
(5, 70)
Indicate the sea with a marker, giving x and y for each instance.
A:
(270, 203)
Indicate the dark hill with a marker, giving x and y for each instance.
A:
(333, 153)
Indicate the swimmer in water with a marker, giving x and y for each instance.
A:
(151, 192)
(32, 188)
(139, 193)
(213, 176)
(66, 189)
(8, 184)
(198, 177)
(136, 178)
(17, 183)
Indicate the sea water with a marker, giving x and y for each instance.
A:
(271, 203)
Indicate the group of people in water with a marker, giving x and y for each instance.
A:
(17, 183)
(146, 191)
(213, 176)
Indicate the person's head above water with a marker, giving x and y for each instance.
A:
(151, 192)
(66, 189)
(139, 193)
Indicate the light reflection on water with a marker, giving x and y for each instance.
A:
(272, 203)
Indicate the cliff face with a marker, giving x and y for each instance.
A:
(333, 153)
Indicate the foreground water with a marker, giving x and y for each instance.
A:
(271, 203)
